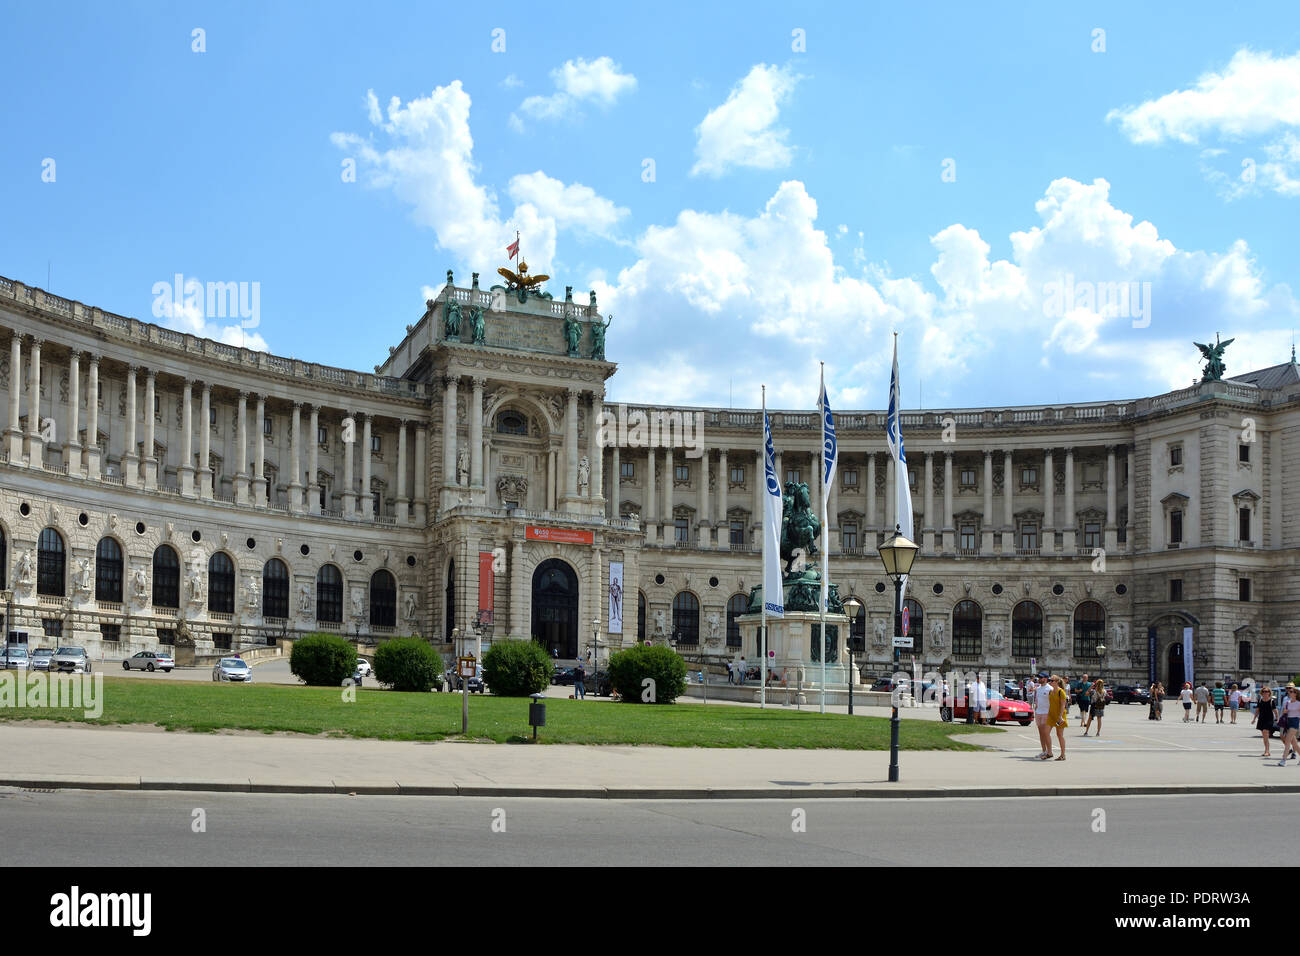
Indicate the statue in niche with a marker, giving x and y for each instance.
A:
(304, 598)
(462, 467)
(85, 576)
(253, 598)
(24, 571)
(451, 321)
(410, 605)
(1058, 637)
(476, 322)
(879, 639)
(584, 475)
(572, 333)
(140, 585)
(936, 636)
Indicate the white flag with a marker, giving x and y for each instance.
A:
(894, 435)
(829, 455)
(773, 594)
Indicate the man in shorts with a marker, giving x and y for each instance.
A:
(1042, 703)
(1202, 703)
(1220, 697)
(1082, 693)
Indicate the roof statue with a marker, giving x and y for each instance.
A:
(1213, 354)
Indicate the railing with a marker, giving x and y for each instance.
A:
(110, 606)
(220, 616)
(329, 625)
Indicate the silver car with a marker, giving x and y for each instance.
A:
(40, 659)
(70, 660)
(149, 661)
(232, 668)
(14, 657)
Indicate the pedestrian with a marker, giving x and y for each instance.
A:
(731, 678)
(1151, 701)
(1290, 723)
(579, 675)
(1058, 711)
(1202, 702)
(1081, 696)
(740, 677)
(1263, 719)
(1220, 697)
(1234, 702)
(1160, 701)
(1186, 697)
(1042, 705)
(1098, 704)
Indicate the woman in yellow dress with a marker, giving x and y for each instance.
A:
(1058, 707)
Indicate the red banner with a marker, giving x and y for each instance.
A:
(562, 535)
(485, 586)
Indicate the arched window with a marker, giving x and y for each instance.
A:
(329, 594)
(221, 584)
(640, 617)
(1089, 629)
(108, 571)
(1027, 630)
(383, 599)
(967, 628)
(51, 562)
(449, 601)
(512, 423)
(275, 589)
(686, 618)
(4, 564)
(915, 626)
(737, 605)
(166, 577)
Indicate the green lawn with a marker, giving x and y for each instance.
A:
(202, 706)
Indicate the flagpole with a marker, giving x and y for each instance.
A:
(762, 633)
(821, 480)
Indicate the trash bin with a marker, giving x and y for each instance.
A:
(537, 713)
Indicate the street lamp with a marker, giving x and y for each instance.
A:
(1101, 652)
(852, 608)
(897, 555)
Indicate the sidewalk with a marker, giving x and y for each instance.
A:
(57, 756)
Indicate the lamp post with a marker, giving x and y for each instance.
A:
(897, 555)
(1101, 653)
(852, 608)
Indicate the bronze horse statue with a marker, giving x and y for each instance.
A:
(800, 528)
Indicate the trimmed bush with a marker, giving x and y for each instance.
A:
(408, 663)
(629, 668)
(323, 660)
(516, 668)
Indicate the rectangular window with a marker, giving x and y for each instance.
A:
(792, 474)
(681, 472)
(221, 641)
(1243, 524)
(110, 632)
(322, 435)
(968, 477)
(911, 478)
(682, 531)
(850, 537)
(1175, 589)
(268, 426)
(737, 474)
(376, 444)
(1243, 589)
(212, 416)
(737, 534)
(1092, 534)
(1175, 527)
(1245, 656)
(1175, 455)
(1029, 476)
(52, 626)
(627, 469)
(1029, 536)
(851, 478)
(375, 508)
(1243, 453)
(968, 537)
(166, 635)
(157, 404)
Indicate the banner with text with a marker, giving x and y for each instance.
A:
(485, 587)
(616, 597)
(562, 535)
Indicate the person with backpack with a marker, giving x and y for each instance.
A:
(1081, 696)
(1098, 705)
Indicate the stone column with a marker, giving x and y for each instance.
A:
(205, 443)
(364, 495)
(988, 524)
(596, 621)
(421, 476)
(349, 468)
(760, 488)
(403, 504)
(667, 517)
(1008, 504)
(832, 536)
(871, 499)
(1049, 504)
(150, 430)
(449, 476)
(295, 459)
(519, 598)
(1069, 536)
(1128, 524)
(571, 448)
(187, 439)
(595, 453)
(72, 444)
(705, 522)
(722, 533)
(651, 504)
(476, 433)
(35, 444)
(241, 451)
(14, 432)
(1112, 540)
(928, 531)
(949, 533)
(891, 495)
(313, 461)
(92, 420)
(261, 498)
(130, 460)
(615, 483)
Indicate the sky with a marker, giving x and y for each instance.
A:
(1047, 203)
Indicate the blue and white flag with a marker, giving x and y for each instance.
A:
(894, 435)
(773, 593)
(830, 449)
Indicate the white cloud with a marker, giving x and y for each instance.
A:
(188, 316)
(511, 82)
(740, 132)
(573, 206)
(579, 81)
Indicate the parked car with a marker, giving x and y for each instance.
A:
(1131, 694)
(149, 661)
(456, 682)
(70, 660)
(999, 708)
(355, 680)
(232, 669)
(563, 676)
(364, 667)
(14, 657)
(40, 659)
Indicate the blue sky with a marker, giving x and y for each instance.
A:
(943, 170)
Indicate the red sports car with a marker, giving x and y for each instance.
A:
(999, 708)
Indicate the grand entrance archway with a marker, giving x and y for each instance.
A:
(555, 608)
(1176, 675)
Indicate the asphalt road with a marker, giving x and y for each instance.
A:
(83, 828)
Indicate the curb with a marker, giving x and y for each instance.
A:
(397, 788)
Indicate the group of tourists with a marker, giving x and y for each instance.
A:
(1051, 712)
(1282, 716)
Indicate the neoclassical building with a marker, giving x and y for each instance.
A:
(154, 483)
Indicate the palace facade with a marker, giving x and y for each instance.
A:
(155, 484)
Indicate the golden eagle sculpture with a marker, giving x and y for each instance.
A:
(523, 280)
